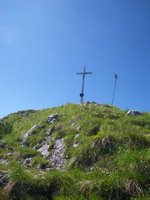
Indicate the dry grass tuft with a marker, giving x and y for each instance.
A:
(106, 144)
(133, 187)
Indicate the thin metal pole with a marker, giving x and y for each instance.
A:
(114, 90)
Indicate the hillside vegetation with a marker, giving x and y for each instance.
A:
(75, 152)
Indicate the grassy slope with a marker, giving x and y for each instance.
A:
(111, 161)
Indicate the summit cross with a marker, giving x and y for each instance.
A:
(84, 73)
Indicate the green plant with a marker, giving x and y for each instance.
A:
(41, 162)
(107, 154)
(19, 174)
(26, 152)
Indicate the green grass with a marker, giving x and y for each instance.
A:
(111, 161)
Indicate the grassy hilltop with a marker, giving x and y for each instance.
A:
(75, 152)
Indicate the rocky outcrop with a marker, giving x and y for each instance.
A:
(57, 157)
(44, 147)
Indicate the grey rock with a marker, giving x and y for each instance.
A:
(26, 135)
(2, 146)
(44, 149)
(3, 179)
(27, 162)
(75, 143)
(133, 113)
(52, 118)
(78, 128)
(9, 154)
(29, 132)
(3, 161)
(76, 136)
(57, 158)
(49, 131)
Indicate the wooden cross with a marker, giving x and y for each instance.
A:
(83, 82)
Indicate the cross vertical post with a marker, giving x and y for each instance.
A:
(84, 73)
(114, 90)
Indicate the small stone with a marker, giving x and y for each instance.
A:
(3, 161)
(27, 162)
(49, 131)
(77, 135)
(3, 179)
(26, 135)
(9, 154)
(78, 128)
(2, 146)
(52, 118)
(75, 145)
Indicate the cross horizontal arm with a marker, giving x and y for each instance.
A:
(84, 73)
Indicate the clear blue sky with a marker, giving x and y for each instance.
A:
(43, 43)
